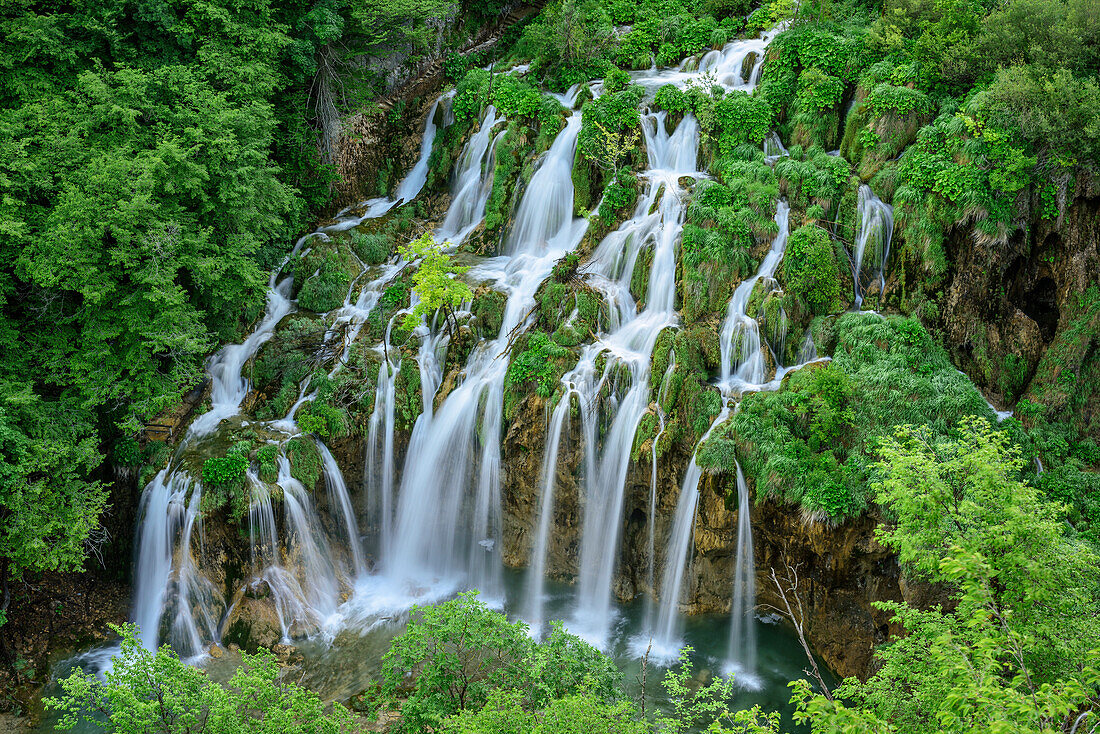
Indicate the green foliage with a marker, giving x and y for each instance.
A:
(812, 175)
(742, 118)
(322, 419)
(48, 507)
(890, 99)
(619, 195)
(694, 707)
(810, 443)
(817, 91)
(671, 99)
(434, 281)
(507, 159)
(465, 655)
(325, 282)
(305, 461)
(147, 691)
(387, 25)
(266, 457)
(536, 364)
(515, 98)
(1018, 652)
(225, 470)
(372, 249)
(811, 272)
(611, 128)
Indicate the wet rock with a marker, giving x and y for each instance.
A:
(748, 65)
(253, 623)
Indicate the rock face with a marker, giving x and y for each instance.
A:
(1006, 304)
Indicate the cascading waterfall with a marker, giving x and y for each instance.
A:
(341, 504)
(379, 466)
(473, 181)
(536, 576)
(742, 650)
(415, 179)
(740, 331)
(651, 518)
(547, 223)
(438, 519)
(876, 229)
(167, 585)
(666, 639)
(440, 535)
(657, 223)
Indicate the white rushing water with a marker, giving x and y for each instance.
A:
(447, 522)
(742, 646)
(657, 224)
(473, 181)
(173, 602)
(872, 245)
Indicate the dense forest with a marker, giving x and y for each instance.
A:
(900, 196)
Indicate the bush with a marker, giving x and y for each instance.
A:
(373, 249)
(326, 289)
(810, 269)
(461, 654)
(146, 691)
(671, 99)
(535, 364)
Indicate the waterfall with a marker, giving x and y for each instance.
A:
(657, 223)
(415, 179)
(438, 519)
(547, 222)
(876, 228)
(228, 387)
(742, 650)
(306, 544)
(164, 516)
(340, 502)
(666, 638)
(740, 330)
(651, 519)
(447, 526)
(536, 576)
(473, 181)
(167, 584)
(379, 465)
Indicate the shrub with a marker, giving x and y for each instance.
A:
(373, 249)
(810, 269)
(534, 364)
(461, 654)
(671, 99)
(326, 289)
(146, 691)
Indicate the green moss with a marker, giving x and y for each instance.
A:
(326, 288)
(305, 461)
(322, 419)
(282, 363)
(266, 458)
(408, 402)
(1065, 382)
(372, 249)
(506, 159)
(488, 309)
